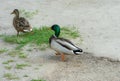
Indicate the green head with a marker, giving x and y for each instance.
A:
(56, 28)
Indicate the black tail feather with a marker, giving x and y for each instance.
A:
(75, 51)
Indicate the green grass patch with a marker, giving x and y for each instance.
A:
(22, 55)
(37, 80)
(3, 50)
(8, 61)
(18, 53)
(10, 76)
(21, 66)
(13, 53)
(28, 14)
(69, 32)
(8, 67)
(25, 76)
(39, 37)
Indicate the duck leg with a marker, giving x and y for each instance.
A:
(62, 57)
(17, 33)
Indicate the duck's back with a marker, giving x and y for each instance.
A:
(20, 23)
(23, 22)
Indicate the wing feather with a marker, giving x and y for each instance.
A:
(66, 43)
(22, 22)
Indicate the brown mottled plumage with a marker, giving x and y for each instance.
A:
(20, 23)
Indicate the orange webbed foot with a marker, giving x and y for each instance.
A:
(62, 57)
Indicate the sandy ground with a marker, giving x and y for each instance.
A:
(97, 22)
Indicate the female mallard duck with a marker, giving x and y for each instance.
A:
(20, 23)
(62, 46)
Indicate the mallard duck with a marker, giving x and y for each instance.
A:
(20, 23)
(61, 45)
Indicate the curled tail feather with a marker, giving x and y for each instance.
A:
(77, 51)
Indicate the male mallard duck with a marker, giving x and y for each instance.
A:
(62, 46)
(20, 23)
